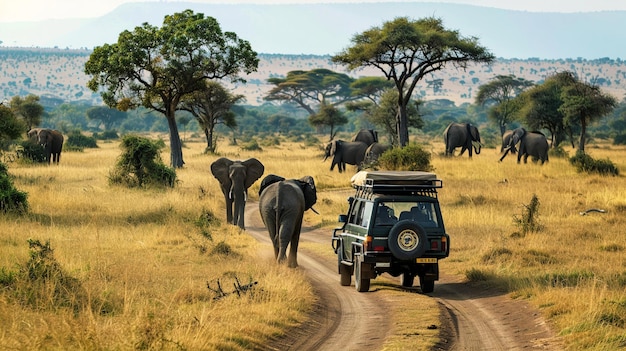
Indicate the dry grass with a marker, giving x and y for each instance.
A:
(144, 257)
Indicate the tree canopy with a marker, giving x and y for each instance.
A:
(27, 108)
(210, 107)
(309, 89)
(499, 95)
(106, 116)
(157, 67)
(407, 51)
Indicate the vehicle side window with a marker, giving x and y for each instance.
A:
(357, 213)
(366, 214)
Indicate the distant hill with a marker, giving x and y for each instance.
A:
(325, 29)
(59, 73)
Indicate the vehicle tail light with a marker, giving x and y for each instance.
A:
(444, 244)
(379, 248)
(434, 245)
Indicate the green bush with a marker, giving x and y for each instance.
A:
(77, 141)
(32, 151)
(409, 158)
(620, 139)
(586, 163)
(11, 199)
(558, 152)
(107, 135)
(140, 165)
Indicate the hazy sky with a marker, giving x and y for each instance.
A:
(33, 10)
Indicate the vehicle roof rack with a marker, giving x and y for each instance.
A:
(397, 182)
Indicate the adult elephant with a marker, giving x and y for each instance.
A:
(282, 204)
(51, 140)
(368, 136)
(506, 140)
(532, 144)
(463, 135)
(235, 177)
(374, 151)
(342, 152)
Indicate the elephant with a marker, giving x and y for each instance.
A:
(235, 177)
(350, 152)
(464, 135)
(51, 140)
(368, 136)
(532, 144)
(506, 139)
(282, 204)
(374, 151)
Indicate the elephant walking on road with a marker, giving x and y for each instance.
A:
(463, 135)
(343, 152)
(282, 203)
(532, 144)
(51, 140)
(235, 177)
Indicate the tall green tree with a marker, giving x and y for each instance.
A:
(499, 96)
(407, 51)
(27, 108)
(383, 115)
(311, 89)
(212, 106)
(584, 103)
(157, 67)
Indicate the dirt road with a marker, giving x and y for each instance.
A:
(473, 318)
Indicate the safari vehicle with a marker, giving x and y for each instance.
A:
(394, 225)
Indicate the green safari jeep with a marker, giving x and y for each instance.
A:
(394, 225)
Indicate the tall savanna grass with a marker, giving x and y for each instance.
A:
(144, 258)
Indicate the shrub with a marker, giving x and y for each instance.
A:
(32, 151)
(107, 135)
(558, 152)
(11, 199)
(77, 141)
(140, 165)
(586, 163)
(409, 158)
(620, 139)
(529, 221)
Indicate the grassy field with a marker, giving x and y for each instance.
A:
(139, 269)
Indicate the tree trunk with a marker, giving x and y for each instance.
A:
(402, 125)
(176, 149)
(583, 130)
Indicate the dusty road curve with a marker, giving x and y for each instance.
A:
(473, 317)
(342, 318)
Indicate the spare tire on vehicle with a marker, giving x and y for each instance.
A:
(407, 240)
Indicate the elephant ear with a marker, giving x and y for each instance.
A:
(254, 171)
(307, 184)
(268, 180)
(219, 168)
(333, 147)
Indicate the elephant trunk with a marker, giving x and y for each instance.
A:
(477, 145)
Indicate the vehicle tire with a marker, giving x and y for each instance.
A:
(346, 274)
(361, 284)
(407, 240)
(407, 280)
(427, 285)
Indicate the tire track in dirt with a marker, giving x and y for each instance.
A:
(341, 318)
(474, 317)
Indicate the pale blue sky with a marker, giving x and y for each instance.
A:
(34, 10)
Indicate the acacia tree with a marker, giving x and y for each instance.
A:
(157, 67)
(584, 103)
(329, 116)
(210, 107)
(309, 89)
(499, 95)
(406, 52)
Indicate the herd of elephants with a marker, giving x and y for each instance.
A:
(282, 202)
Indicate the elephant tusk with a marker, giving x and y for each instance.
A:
(312, 209)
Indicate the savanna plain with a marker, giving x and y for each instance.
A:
(160, 269)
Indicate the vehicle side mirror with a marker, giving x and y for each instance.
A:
(343, 218)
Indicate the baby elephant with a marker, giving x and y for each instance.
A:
(282, 203)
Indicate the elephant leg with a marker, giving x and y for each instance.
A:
(229, 209)
(292, 260)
